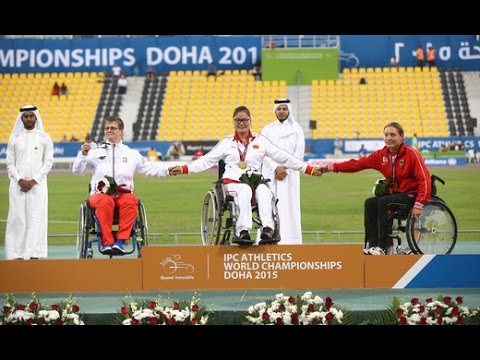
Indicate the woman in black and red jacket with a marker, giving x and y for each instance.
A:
(410, 184)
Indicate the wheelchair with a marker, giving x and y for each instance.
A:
(434, 232)
(88, 225)
(220, 213)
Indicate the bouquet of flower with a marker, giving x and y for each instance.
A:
(305, 309)
(443, 311)
(152, 312)
(36, 313)
(251, 178)
(106, 185)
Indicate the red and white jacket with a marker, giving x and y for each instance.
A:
(229, 150)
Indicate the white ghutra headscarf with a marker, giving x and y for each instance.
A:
(287, 102)
(19, 123)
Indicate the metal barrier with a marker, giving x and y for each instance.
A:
(176, 235)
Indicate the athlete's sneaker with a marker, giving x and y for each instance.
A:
(106, 249)
(376, 250)
(266, 237)
(243, 238)
(119, 246)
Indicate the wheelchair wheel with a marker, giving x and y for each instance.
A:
(82, 232)
(276, 219)
(211, 218)
(434, 232)
(142, 228)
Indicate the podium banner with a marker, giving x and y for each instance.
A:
(253, 267)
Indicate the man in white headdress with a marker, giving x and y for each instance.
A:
(29, 160)
(286, 133)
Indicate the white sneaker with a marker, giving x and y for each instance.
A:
(376, 250)
(365, 252)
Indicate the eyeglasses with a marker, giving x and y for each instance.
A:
(238, 121)
(113, 128)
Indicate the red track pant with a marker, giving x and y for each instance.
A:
(104, 206)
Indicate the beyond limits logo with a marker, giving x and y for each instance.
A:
(176, 269)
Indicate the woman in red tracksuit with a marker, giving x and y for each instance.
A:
(410, 184)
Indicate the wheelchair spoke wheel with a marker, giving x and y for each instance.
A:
(435, 231)
(142, 225)
(211, 219)
(82, 233)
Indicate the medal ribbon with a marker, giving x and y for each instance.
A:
(243, 154)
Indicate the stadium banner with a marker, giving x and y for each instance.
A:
(299, 66)
(318, 148)
(132, 54)
(446, 161)
(462, 51)
(184, 52)
(422, 271)
(253, 267)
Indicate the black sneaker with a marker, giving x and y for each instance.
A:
(243, 239)
(267, 236)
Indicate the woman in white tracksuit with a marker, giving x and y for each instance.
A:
(244, 152)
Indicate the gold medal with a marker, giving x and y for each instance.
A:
(242, 164)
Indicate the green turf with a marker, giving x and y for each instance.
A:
(331, 202)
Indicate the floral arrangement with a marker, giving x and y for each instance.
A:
(152, 312)
(36, 313)
(106, 185)
(443, 311)
(305, 309)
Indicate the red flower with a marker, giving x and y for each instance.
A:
(124, 310)
(328, 302)
(195, 307)
(100, 185)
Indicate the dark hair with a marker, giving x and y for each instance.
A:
(115, 119)
(396, 126)
(241, 108)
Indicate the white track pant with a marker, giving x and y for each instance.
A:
(263, 197)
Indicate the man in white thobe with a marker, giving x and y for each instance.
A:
(287, 134)
(29, 160)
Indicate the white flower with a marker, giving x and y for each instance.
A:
(284, 310)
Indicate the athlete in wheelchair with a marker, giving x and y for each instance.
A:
(242, 184)
(113, 165)
(404, 194)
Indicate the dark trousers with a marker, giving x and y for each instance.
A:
(377, 222)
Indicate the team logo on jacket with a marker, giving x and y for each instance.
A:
(101, 157)
(256, 147)
(401, 162)
(125, 159)
(384, 159)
